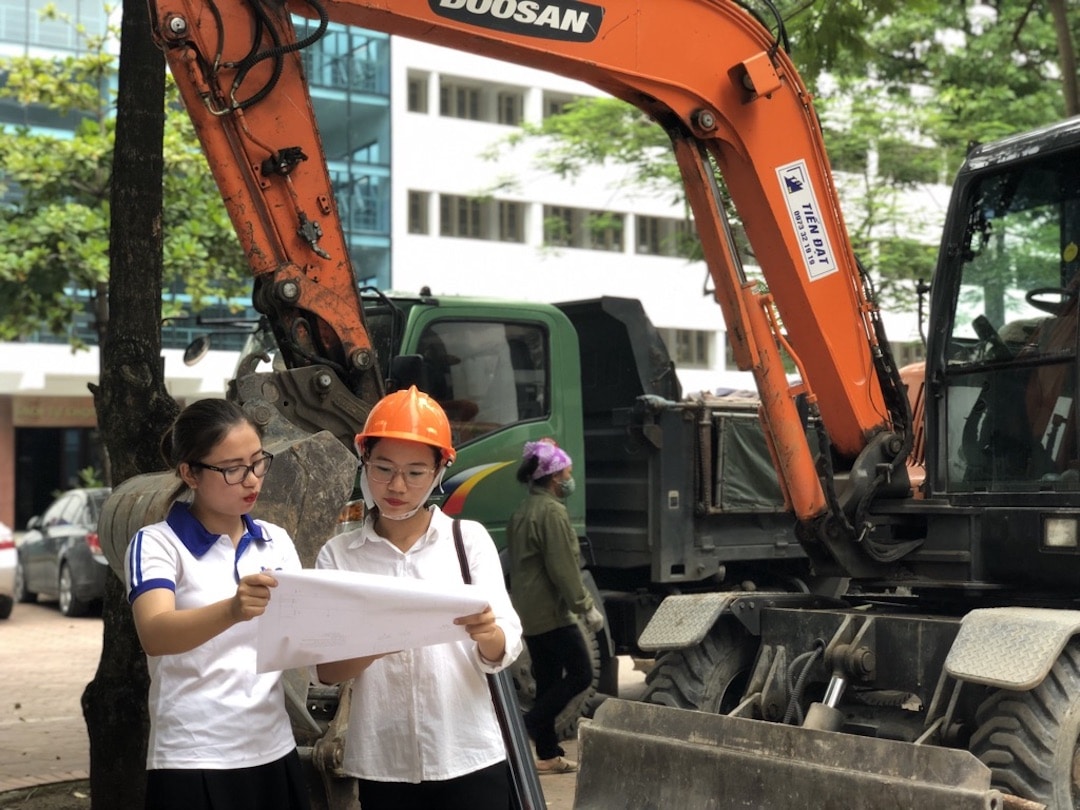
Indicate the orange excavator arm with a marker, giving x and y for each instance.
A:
(709, 72)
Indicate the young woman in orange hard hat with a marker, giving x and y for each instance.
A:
(422, 728)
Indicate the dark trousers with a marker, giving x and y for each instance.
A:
(276, 786)
(486, 789)
(562, 668)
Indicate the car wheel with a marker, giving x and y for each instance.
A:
(6, 603)
(21, 593)
(69, 604)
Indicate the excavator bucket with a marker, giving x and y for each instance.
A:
(639, 756)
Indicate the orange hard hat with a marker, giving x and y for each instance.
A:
(411, 415)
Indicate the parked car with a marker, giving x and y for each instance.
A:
(59, 554)
(7, 570)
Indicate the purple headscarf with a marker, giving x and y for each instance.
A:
(550, 457)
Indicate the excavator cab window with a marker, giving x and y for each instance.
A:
(485, 374)
(1010, 409)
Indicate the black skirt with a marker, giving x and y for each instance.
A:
(276, 786)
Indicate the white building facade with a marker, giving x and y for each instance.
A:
(440, 169)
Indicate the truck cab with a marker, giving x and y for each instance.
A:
(504, 372)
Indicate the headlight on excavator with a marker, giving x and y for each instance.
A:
(1060, 532)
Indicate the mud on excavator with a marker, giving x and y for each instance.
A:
(947, 499)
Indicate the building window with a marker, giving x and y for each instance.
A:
(367, 153)
(474, 218)
(14, 22)
(418, 92)
(79, 21)
(662, 236)
(418, 212)
(511, 222)
(363, 200)
(345, 60)
(459, 100)
(581, 228)
(689, 348)
(558, 226)
(368, 60)
(556, 103)
(510, 108)
(605, 231)
(460, 216)
(478, 101)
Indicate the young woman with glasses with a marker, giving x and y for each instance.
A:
(422, 729)
(220, 736)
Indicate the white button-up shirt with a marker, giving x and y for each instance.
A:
(426, 714)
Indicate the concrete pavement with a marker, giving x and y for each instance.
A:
(46, 660)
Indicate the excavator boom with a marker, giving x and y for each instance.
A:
(710, 73)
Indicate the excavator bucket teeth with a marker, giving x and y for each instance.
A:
(639, 756)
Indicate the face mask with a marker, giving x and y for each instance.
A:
(567, 487)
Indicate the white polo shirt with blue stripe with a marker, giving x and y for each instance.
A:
(208, 707)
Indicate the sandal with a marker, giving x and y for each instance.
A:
(555, 765)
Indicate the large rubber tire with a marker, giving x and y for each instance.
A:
(6, 604)
(566, 723)
(605, 677)
(710, 677)
(21, 593)
(70, 605)
(1029, 740)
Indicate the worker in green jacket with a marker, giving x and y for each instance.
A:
(547, 591)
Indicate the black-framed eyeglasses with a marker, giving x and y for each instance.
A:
(239, 473)
(414, 477)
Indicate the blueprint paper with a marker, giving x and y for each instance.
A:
(315, 616)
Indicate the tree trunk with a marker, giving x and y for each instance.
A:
(1066, 58)
(133, 406)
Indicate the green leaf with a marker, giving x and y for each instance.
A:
(54, 223)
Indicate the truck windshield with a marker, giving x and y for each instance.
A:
(1011, 362)
(485, 374)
